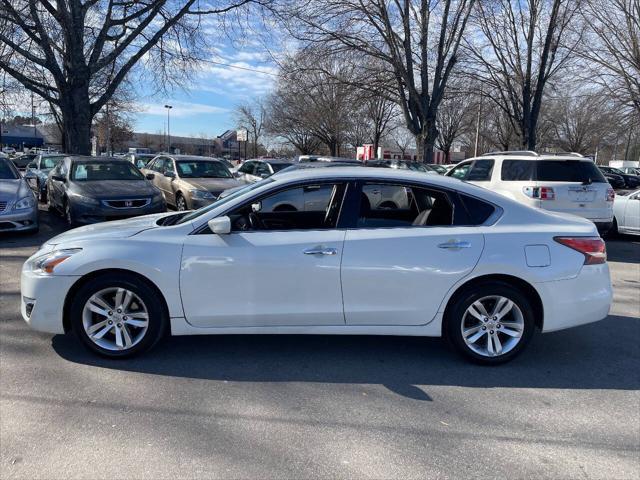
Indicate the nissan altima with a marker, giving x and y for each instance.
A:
(454, 260)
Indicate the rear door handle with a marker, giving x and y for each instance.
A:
(321, 251)
(454, 245)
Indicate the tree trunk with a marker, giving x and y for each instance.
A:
(76, 120)
(428, 140)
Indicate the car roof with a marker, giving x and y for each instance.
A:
(193, 157)
(88, 158)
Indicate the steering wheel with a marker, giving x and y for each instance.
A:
(255, 222)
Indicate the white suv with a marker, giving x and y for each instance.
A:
(568, 183)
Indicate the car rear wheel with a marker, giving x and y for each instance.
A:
(490, 323)
(117, 316)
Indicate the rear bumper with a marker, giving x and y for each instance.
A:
(583, 299)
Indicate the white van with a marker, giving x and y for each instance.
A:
(568, 183)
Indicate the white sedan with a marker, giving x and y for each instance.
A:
(455, 260)
(626, 213)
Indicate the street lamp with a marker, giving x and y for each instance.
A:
(168, 107)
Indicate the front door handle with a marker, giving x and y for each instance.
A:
(320, 251)
(454, 245)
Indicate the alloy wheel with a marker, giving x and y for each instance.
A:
(492, 326)
(115, 319)
(181, 204)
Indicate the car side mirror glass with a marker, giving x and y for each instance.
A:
(220, 225)
(57, 178)
(31, 165)
(264, 175)
(150, 176)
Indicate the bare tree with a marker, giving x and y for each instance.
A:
(517, 48)
(451, 117)
(251, 117)
(581, 123)
(417, 41)
(613, 47)
(75, 54)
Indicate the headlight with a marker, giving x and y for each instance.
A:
(202, 194)
(82, 199)
(45, 264)
(26, 202)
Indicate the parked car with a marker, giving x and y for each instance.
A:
(630, 170)
(96, 189)
(626, 213)
(254, 170)
(38, 170)
(616, 181)
(631, 181)
(441, 169)
(21, 161)
(189, 182)
(140, 160)
(459, 260)
(401, 164)
(18, 204)
(569, 184)
(8, 150)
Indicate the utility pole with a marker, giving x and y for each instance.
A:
(168, 107)
(475, 150)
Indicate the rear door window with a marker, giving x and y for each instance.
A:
(480, 171)
(517, 170)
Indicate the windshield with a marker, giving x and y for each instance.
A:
(7, 172)
(202, 169)
(49, 162)
(100, 170)
(241, 191)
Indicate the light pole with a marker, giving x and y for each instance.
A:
(168, 107)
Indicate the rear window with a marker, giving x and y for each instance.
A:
(477, 210)
(552, 171)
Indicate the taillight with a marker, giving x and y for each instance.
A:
(593, 248)
(611, 194)
(539, 193)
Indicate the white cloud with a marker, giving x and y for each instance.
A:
(180, 109)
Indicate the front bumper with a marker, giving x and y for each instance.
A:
(42, 300)
(19, 221)
(583, 299)
(197, 203)
(94, 214)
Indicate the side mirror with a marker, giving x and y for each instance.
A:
(31, 165)
(150, 176)
(220, 225)
(264, 175)
(170, 174)
(57, 178)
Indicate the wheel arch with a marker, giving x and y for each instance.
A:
(66, 321)
(510, 280)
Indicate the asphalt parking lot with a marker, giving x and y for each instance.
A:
(320, 407)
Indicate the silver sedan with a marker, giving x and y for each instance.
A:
(18, 204)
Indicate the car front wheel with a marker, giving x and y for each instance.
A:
(117, 316)
(181, 203)
(490, 323)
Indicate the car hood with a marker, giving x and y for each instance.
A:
(212, 184)
(9, 188)
(108, 230)
(108, 189)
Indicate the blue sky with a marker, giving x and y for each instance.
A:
(206, 106)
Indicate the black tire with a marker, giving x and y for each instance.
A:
(42, 195)
(68, 214)
(158, 318)
(613, 231)
(181, 203)
(459, 304)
